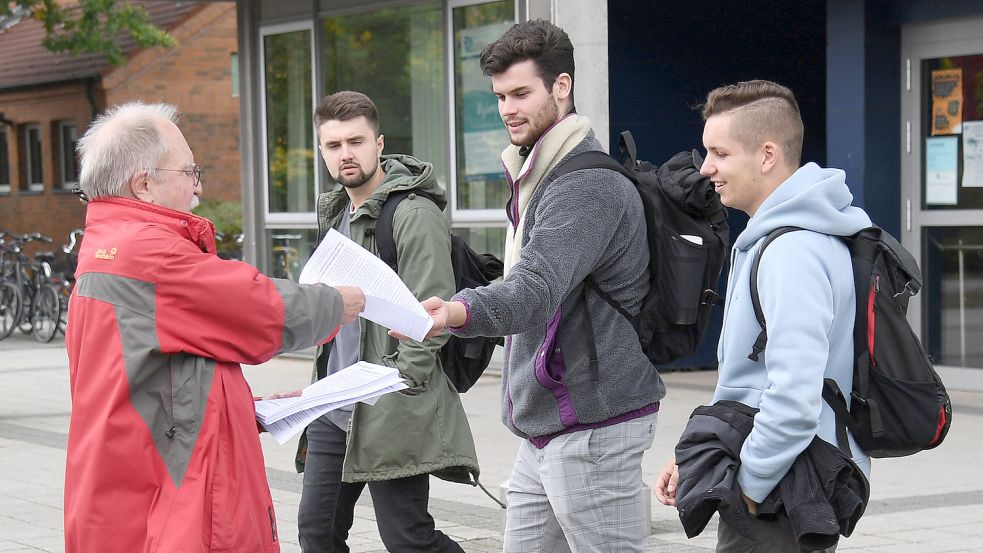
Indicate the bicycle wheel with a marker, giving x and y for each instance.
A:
(45, 314)
(26, 311)
(10, 307)
(65, 294)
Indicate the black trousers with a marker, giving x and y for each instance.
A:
(327, 505)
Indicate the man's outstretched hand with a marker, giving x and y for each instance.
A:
(354, 300)
(438, 310)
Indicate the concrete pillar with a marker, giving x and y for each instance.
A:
(586, 22)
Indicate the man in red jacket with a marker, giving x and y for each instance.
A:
(163, 452)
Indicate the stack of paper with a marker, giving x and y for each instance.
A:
(338, 261)
(362, 381)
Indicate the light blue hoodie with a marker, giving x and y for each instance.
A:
(805, 283)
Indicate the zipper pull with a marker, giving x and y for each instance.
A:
(170, 432)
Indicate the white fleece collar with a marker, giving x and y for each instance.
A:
(553, 146)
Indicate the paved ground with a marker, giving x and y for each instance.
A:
(931, 502)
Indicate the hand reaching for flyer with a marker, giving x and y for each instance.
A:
(442, 312)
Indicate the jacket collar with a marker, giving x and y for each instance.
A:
(197, 229)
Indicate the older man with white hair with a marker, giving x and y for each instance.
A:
(163, 452)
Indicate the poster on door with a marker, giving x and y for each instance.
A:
(947, 101)
(484, 133)
(942, 170)
(972, 154)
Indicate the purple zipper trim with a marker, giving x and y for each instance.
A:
(508, 391)
(550, 370)
(467, 318)
(514, 184)
(539, 442)
(511, 206)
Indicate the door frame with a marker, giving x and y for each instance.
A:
(958, 37)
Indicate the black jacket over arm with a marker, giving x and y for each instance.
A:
(822, 496)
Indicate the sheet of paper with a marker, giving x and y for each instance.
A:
(338, 261)
(362, 382)
(354, 381)
(941, 170)
(972, 153)
(284, 429)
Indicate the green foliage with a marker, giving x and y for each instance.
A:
(91, 26)
(227, 217)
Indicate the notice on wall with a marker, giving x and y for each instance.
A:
(973, 154)
(942, 170)
(484, 132)
(947, 101)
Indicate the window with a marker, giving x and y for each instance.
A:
(289, 250)
(68, 169)
(396, 57)
(32, 178)
(4, 163)
(234, 72)
(480, 190)
(952, 132)
(289, 122)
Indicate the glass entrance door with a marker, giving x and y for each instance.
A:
(942, 188)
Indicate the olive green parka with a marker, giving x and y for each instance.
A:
(422, 429)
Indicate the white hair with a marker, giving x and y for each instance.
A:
(125, 139)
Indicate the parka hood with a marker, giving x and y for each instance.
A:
(403, 172)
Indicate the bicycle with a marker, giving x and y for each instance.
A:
(11, 301)
(40, 303)
(286, 258)
(63, 278)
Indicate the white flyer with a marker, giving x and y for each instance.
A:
(338, 261)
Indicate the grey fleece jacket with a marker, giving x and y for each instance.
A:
(571, 359)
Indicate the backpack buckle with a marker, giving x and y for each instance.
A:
(907, 290)
(710, 297)
(858, 398)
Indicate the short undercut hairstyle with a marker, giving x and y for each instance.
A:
(547, 45)
(763, 111)
(346, 105)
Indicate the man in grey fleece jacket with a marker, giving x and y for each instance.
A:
(575, 384)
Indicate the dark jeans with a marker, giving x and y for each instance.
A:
(327, 506)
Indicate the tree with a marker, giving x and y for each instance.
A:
(88, 26)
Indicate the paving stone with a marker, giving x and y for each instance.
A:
(928, 502)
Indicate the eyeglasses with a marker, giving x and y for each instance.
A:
(193, 172)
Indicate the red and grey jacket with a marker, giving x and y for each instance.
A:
(163, 452)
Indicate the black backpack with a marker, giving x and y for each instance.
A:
(898, 403)
(688, 238)
(463, 359)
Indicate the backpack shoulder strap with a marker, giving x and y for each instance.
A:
(591, 160)
(759, 314)
(384, 239)
(597, 160)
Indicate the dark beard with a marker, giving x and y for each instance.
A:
(358, 180)
(543, 120)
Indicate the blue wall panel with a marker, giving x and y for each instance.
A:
(664, 56)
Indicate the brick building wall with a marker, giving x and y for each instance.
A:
(195, 76)
(53, 211)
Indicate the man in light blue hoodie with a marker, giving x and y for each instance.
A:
(753, 136)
